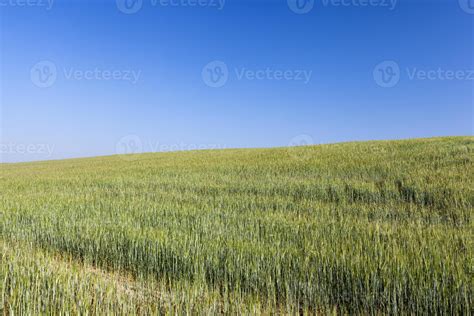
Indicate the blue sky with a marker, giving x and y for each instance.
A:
(88, 78)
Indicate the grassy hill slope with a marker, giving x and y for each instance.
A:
(381, 226)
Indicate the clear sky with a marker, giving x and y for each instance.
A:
(87, 78)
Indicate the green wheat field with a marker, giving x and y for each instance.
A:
(382, 227)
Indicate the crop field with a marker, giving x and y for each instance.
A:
(381, 227)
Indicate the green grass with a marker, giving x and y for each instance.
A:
(373, 227)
